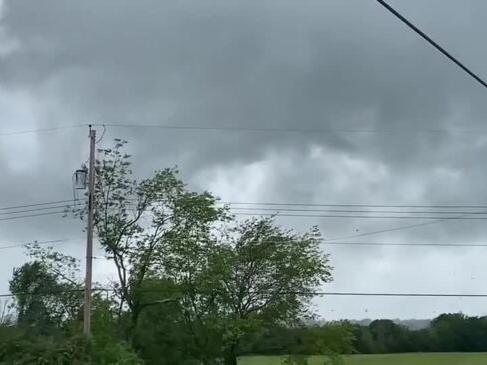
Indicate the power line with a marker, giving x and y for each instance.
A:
(304, 293)
(258, 211)
(277, 212)
(37, 243)
(35, 209)
(365, 294)
(32, 215)
(432, 42)
(404, 244)
(327, 243)
(464, 206)
(10, 215)
(292, 204)
(236, 128)
(394, 229)
(52, 292)
(39, 204)
(41, 130)
(358, 211)
(282, 130)
(361, 216)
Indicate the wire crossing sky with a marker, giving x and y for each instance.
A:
(433, 43)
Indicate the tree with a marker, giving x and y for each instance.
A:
(161, 327)
(213, 279)
(136, 221)
(330, 339)
(458, 332)
(47, 293)
(267, 275)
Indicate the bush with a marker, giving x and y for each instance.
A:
(76, 350)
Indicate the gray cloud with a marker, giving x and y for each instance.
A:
(337, 66)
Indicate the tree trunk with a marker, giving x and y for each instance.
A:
(231, 355)
(132, 324)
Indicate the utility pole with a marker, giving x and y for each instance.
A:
(89, 238)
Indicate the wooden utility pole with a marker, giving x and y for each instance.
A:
(89, 238)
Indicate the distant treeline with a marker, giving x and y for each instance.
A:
(446, 333)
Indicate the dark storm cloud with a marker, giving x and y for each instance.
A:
(412, 117)
(232, 63)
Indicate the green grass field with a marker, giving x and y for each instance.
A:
(396, 359)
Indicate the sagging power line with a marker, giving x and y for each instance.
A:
(277, 214)
(186, 127)
(288, 204)
(48, 242)
(433, 43)
(365, 244)
(68, 201)
(32, 215)
(41, 130)
(359, 205)
(282, 212)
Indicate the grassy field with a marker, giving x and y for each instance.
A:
(396, 359)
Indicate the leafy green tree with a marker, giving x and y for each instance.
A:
(143, 226)
(267, 276)
(43, 337)
(258, 275)
(42, 350)
(458, 332)
(178, 255)
(390, 337)
(67, 350)
(106, 346)
(47, 293)
(161, 329)
(331, 338)
(364, 341)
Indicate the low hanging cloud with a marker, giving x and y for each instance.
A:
(384, 119)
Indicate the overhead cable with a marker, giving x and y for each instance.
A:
(433, 43)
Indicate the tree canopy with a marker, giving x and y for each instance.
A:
(192, 281)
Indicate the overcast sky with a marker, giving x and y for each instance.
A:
(403, 125)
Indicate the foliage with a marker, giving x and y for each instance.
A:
(212, 280)
(26, 349)
(48, 301)
(193, 284)
(446, 333)
(261, 275)
(160, 329)
(138, 221)
(106, 347)
(270, 273)
(47, 294)
(327, 339)
(43, 350)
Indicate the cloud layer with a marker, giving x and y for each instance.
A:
(400, 124)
